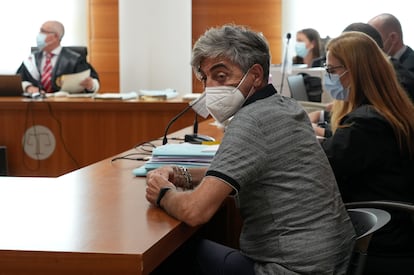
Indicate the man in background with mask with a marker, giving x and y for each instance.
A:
(37, 76)
(392, 36)
(294, 221)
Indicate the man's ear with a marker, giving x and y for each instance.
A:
(257, 71)
(394, 36)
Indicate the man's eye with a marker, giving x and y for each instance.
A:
(221, 77)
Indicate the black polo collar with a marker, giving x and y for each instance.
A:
(266, 91)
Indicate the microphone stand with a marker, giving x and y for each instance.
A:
(288, 36)
(165, 140)
(195, 137)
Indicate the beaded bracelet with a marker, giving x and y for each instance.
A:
(187, 176)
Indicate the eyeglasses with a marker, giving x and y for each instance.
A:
(46, 31)
(331, 69)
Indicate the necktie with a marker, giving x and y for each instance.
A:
(47, 74)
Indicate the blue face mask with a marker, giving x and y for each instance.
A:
(301, 50)
(41, 41)
(334, 86)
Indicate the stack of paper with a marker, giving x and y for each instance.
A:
(123, 96)
(183, 154)
(157, 94)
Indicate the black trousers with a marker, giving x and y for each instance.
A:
(204, 257)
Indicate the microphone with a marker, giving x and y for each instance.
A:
(195, 137)
(288, 36)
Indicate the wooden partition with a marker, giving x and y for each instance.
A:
(85, 130)
(104, 42)
(263, 16)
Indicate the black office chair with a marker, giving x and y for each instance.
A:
(82, 50)
(366, 222)
(389, 264)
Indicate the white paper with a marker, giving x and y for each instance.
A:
(168, 93)
(123, 96)
(71, 82)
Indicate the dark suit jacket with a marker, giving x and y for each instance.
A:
(68, 62)
(405, 77)
(407, 59)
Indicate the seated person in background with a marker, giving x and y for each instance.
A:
(307, 47)
(405, 77)
(372, 147)
(294, 221)
(39, 76)
(392, 36)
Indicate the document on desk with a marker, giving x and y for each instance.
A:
(122, 96)
(183, 154)
(71, 82)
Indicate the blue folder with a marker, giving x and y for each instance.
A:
(183, 154)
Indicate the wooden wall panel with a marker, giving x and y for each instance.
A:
(85, 130)
(264, 16)
(104, 42)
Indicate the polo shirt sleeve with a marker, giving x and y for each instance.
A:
(242, 153)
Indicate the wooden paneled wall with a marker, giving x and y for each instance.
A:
(104, 42)
(263, 16)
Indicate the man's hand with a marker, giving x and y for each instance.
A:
(156, 180)
(87, 83)
(33, 89)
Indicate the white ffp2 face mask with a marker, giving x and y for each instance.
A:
(223, 101)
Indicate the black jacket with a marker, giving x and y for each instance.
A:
(407, 59)
(405, 77)
(68, 62)
(368, 165)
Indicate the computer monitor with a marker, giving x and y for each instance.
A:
(11, 85)
(297, 87)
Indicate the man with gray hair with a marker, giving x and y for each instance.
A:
(42, 71)
(392, 37)
(294, 221)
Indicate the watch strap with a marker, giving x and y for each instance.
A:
(161, 194)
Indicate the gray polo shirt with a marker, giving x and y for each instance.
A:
(294, 218)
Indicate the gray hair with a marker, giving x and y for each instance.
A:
(58, 28)
(242, 46)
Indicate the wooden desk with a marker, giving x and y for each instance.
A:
(85, 130)
(95, 220)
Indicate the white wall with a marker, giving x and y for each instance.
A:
(21, 21)
(155, 45)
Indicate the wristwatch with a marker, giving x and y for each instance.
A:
(161, 194)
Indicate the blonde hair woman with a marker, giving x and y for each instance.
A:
(372, 147)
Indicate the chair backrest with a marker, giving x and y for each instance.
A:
(394, 262)
(385, 205)
(366, 222)
(297, 87)
(82, 50)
